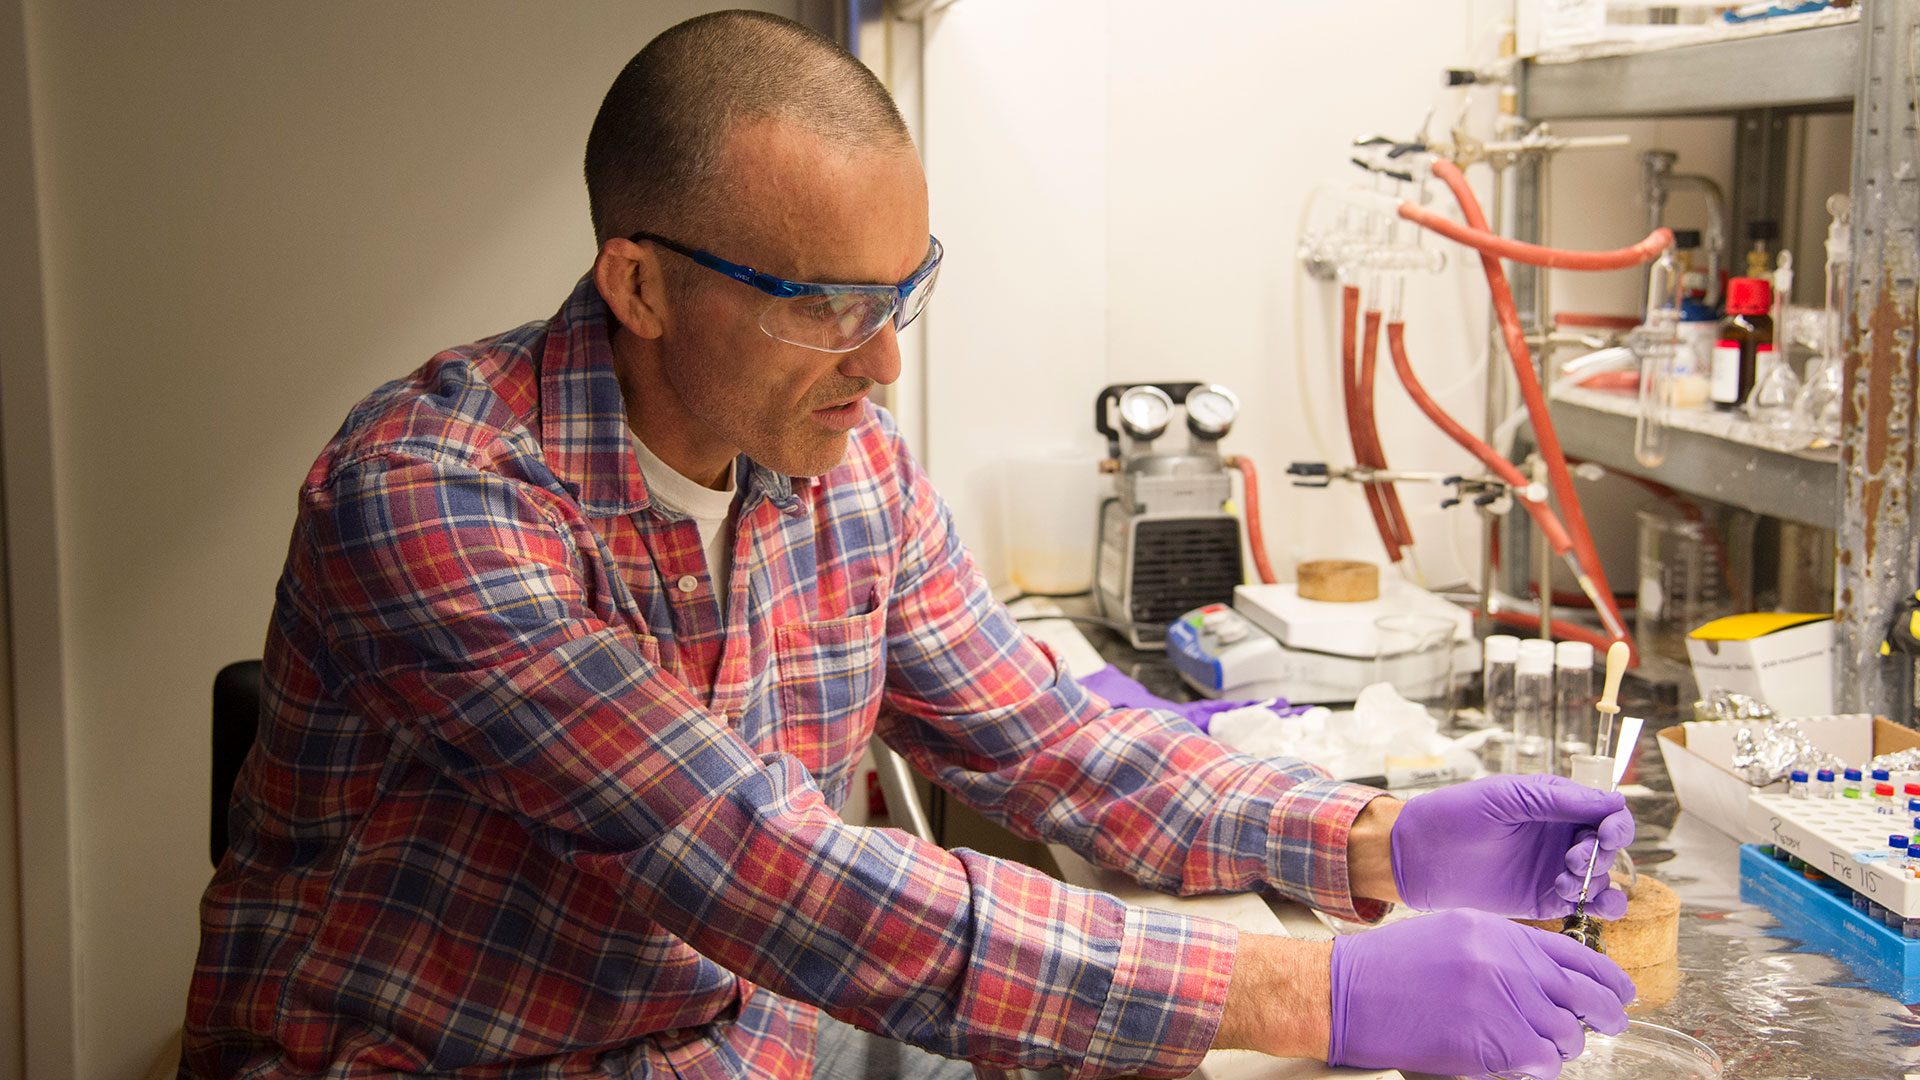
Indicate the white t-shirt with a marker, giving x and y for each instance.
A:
(711, 511)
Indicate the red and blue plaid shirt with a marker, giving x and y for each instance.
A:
(530, 801)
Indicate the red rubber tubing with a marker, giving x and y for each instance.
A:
(1558, 475)
(1542, 515)
(1255, 541)
(1564, 631)
(1350, 392)
(1490, 243)
(1370, 432)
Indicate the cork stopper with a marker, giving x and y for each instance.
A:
(1338, 581)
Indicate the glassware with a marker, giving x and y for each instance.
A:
(1821, 398)
(1575, 719)
(1655, 343)
(1683, 583)
(1499, 653)
(1817, 406)
(1772, 403)
(1745, 335)
(1644, 1051)
(1414, 654)
(1533, 708)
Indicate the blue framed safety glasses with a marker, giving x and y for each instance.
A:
(830, 318)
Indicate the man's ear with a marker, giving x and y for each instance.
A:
(634, 285)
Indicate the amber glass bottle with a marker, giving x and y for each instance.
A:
(1746, 329)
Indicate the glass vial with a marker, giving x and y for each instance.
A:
(1823, 784)
(1575, 724)
(1797, 784)
(1500, 652)
(1533, 707)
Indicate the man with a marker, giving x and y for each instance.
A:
(583, 628)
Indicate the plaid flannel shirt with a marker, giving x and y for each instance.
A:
(530, 801)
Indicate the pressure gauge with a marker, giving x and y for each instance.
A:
(1211, 409)
(1144, 412)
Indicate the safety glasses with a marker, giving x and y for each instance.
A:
(830, 318)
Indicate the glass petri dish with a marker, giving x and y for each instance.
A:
(1642, 1052)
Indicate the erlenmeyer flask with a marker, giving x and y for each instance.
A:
(1817, 407)
(1771, 404)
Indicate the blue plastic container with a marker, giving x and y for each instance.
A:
(1882, 958)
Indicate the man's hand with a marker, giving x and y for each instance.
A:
(1278, 1002)
(1463, 993)
(1512, 845)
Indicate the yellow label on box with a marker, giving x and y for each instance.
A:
(1752, 625)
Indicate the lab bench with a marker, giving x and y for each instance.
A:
(1772, 1008)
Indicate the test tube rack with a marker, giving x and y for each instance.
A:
(1879, 956)
(1845, 839)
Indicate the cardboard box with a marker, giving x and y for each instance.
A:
(1699, 757)
(1785, 660)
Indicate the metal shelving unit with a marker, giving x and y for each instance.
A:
(1868, 495)
(1811, 68)
(1710, 454)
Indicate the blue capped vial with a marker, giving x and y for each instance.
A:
(1797, 784)
(1823, 785)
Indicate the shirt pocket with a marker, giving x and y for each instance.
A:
(830, 675)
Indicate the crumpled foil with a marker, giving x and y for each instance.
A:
(1898, 761)
(1763, 753)
(1727, 705)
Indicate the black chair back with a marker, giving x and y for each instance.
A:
(236, 718)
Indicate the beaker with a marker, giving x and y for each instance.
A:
(1683, 582)
(1052, 513)
(1414, 654)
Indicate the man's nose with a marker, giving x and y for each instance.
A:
(878, 359)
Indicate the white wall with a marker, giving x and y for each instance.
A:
(1121, 185)
(252, 214)
(1015, 141)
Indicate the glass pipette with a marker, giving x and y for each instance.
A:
(1580, 926)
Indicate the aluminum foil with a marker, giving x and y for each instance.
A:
(1726, 705)
(1763, 753)
(1899, 761)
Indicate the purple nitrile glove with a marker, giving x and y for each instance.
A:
(1512, 845)
(1110, 683)
(1465, 993)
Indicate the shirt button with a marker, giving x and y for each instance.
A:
(689, 583)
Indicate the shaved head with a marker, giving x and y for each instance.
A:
(655, 156)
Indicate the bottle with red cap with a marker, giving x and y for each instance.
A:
(1745, 348)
